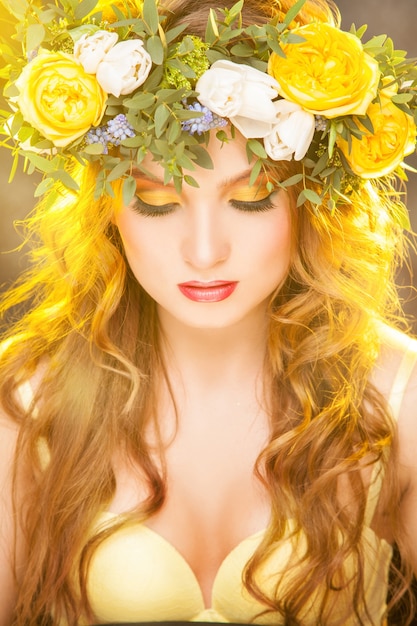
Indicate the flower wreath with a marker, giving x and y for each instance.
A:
(91, 76)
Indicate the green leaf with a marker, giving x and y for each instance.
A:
(162, 115)
(312, 196)
(174, 131)
(154, 79)
(65, 179)
(44, 186)
(14, 167)
(292, 13)
(94, 148)
(190, 180)
(35, 35)
(375, 42)
(256, 148)
(402, 98)
(156, 49)
(242, 50)
(293, 180)
(212, 31)
(118, 171)
(128, 190)
(84, 8)
(133, 142)
(141, 100)
(42, 164)
(173, 33)
(150, 16)
(332, 138)
(203, 157)
(255, 172)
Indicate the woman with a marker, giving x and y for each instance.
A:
(208, 405)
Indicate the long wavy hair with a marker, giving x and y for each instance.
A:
(79, 317)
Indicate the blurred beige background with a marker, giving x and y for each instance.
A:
(398, 18)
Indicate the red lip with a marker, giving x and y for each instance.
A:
(214, 291)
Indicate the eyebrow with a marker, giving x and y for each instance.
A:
(226, 182)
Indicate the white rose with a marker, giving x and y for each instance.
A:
(124, 68)
(90, 50)
(241, 93)
(292, 133)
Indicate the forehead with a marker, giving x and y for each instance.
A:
(230, 163)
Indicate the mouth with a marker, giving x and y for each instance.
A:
(214, 291)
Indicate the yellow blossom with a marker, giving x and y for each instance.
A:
(328, 74)
(381, 152)
(58, 98)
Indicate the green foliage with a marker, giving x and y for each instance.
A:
(157, 110)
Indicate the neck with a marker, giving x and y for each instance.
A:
(215, 354)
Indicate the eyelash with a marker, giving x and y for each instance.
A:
(150, 210)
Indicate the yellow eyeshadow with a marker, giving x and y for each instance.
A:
(250, 193)
(157, 197)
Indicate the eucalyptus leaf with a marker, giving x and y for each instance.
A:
(161, 118)
(142, 100)
(94, 148)
(118, 171)
(150, 16)
(402, 98)
(156, 49)
(128, 190)
(257, 148)
(293, 12)
(84, 8)
(35, 35)
(190, 181)
(293, 180)
(66, 179)
(255, 172)
(44, 186)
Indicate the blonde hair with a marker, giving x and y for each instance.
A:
(93, 331)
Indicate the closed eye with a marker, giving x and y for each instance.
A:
(254, 206)
(152, 210)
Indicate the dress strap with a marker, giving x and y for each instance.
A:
(395, 398)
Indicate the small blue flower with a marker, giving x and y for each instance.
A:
(207, 121)
(112, 133)
(119, 129)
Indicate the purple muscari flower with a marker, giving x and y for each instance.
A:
(112, 133)
(207, 121)
(119, 129)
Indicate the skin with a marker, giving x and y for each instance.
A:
(214, 354)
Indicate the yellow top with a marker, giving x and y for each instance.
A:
(137, 576)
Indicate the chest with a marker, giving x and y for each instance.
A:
(213, 498)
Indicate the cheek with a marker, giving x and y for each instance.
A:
(277, 242)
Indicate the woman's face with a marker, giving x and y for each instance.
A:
(210, 256)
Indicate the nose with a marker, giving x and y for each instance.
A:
(206, 241)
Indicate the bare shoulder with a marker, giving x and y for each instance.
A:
(396, 377)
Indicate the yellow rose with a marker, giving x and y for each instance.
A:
(108, 15)
(328, 74)
(381, 153)
(58, 98)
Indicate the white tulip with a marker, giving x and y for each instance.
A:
(90, 50)
(241, 93)
(291, 134)
(124, 68)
